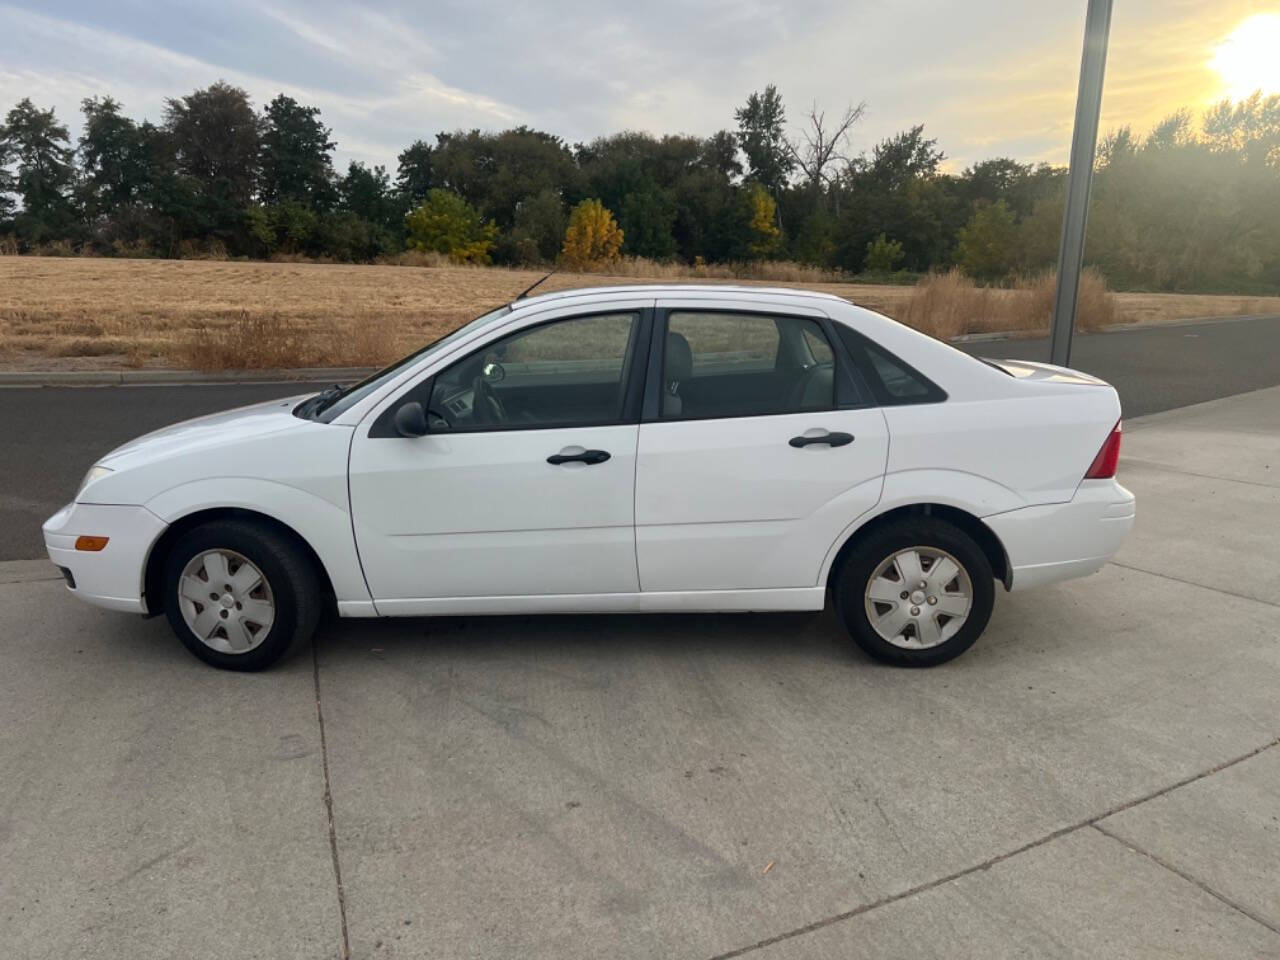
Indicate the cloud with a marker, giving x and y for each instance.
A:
(986, 77)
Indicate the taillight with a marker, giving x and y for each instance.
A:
(1108, 458)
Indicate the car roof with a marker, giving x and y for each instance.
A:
(672, 289)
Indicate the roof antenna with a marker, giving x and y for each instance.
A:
(529, 289)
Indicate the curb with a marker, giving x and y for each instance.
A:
(125, 378)
(1111, 328)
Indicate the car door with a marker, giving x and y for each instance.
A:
(758, 446)
(524, 482)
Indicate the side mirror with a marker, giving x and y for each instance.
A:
(494, 372)
(410, 420)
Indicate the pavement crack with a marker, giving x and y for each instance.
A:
(328, 803)
(1000, 858)
(1192, 583)
(1159, 861)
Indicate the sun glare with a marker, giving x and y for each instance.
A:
(1249, 58)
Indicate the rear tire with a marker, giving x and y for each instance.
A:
(239, 594)
(916, 592)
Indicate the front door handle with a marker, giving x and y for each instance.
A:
(585, 456)
(836, 439)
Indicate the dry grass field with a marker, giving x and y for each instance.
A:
(65, 313)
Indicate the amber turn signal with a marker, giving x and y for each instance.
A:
(92, 544)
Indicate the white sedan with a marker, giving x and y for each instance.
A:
(638, 449)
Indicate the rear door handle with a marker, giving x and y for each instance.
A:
(584, 456)
(835, 439)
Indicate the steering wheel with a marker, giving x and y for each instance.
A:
(485, 405)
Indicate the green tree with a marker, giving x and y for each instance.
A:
(114, 168)
(216, 138)
(449, 225)
(415, 173)
(720, 153)
(7, 183)
(45, 172)
(646, 218)
(369, 195)
(538, 230)
(883, 254)
(494, 172)
(987, 243)
(761, 136)
(296, 155)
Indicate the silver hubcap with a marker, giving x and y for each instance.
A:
(226, 601)
(919, 598)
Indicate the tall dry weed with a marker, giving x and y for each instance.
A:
(946, 305)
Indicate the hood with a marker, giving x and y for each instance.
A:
(242, 423)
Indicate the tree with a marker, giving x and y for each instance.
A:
(368, 194)
(295, 157)
(761, 136)
(883, 254)
(902, 158)
(447, 224)
(7, 183)
(495, 171)
(538, 231)
(820, 143)
(42, 149)
(114, 168)
(1250, 128)
(216, 140)
(720, 153)
(592, 237)
(415, 173)
(763, 223)
(987, 242)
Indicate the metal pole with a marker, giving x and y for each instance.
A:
(1084, 142)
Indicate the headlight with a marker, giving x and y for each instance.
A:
(95, 473)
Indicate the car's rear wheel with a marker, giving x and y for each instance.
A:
(915, 592)
(239, 594)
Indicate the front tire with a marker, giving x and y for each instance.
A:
(239, 594)
(916, 592)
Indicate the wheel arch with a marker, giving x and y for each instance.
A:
(970, 524)
(153, 572)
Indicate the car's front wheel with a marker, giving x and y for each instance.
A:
(916, 592)
(239, 594)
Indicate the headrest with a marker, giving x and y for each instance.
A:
(679, 359)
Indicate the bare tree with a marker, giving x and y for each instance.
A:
(820, 145)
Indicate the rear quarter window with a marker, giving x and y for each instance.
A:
(893, 381)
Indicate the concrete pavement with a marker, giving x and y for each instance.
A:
(1096, 777)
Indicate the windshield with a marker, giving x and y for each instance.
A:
(357, 392)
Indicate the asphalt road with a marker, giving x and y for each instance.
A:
(53, 435)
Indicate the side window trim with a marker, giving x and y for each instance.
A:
(633, 380)
(851, 392)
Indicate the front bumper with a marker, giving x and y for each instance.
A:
(1063, 540)
(113, 576)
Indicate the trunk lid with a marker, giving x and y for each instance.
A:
(1044, 372)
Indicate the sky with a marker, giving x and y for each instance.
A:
(986, 78)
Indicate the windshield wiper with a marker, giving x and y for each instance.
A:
(316, 405)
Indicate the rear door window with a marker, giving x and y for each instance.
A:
(718, 364)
